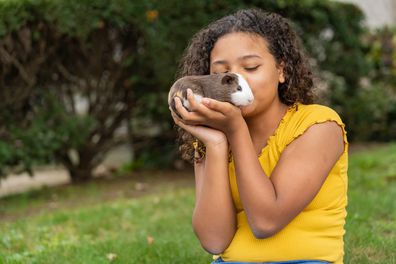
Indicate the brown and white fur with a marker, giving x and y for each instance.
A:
(226, 87)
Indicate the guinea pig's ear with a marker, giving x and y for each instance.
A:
(227, 79)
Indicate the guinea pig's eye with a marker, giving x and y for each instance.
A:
(239, 88)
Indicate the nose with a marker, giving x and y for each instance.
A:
(241, 74)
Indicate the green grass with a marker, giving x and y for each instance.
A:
(371, 221)
(93, 222)
(122, 228)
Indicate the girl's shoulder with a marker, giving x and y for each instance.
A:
(301, 117)
(314, 112)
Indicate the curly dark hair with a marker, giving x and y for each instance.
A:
(283, 43)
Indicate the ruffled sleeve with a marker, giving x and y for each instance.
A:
(306, 116)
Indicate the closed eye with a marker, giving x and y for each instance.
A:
(252, 68)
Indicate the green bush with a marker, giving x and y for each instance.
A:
(378, 93)
(57, 57)
(332, 34)
(120, 58)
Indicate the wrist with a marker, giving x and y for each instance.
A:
(217, 153)
(236, 129)
(217, 147)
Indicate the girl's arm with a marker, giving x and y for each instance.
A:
(271, 203)
(214, 217)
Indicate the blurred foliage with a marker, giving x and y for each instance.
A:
(67, 72)
(35, 143)
(120, 58)
(357, 68)
(373, 107)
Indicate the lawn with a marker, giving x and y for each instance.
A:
(146, 218)
(371, 221)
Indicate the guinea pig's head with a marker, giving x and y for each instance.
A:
(241, 94)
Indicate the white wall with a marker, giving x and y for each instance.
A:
(378, 13)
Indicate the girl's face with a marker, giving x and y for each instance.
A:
(249, 56)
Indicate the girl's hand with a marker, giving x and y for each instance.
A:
(212, 113)
(208, 136)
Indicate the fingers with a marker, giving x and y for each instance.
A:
(182, 119)
(177, 119)
(182, 112)
(218, 106)
(190, 118)
(202, 108)
(191, 100)
(206, 113)
(179, 122)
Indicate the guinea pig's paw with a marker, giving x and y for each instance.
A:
(186, 103)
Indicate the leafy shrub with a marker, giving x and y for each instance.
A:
(73, 72)
(68, 70)
(377, 96)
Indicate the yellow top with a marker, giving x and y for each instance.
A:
(317, 232)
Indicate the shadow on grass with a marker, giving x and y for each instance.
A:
(99, 190)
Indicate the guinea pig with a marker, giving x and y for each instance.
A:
(226, 87)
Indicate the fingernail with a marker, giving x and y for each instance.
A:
(189, 92)
(205, 101)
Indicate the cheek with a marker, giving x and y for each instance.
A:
(257, 83)
(263, 81)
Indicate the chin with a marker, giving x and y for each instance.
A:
(246, 110)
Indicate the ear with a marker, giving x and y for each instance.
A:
(281, 72)
(227, 79)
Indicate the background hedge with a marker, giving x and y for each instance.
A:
(74, 72)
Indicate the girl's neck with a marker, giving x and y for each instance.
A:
(263, 126)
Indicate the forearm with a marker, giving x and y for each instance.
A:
(257, 193)
(214, 217)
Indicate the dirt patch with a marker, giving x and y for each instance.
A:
(97, 191)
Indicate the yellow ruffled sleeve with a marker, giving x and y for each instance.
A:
(306, 116)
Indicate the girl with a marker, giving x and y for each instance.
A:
(281, 197)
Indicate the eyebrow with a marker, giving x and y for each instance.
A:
(240, 58)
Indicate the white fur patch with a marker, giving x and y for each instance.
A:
(197, 97)
(244, 97)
